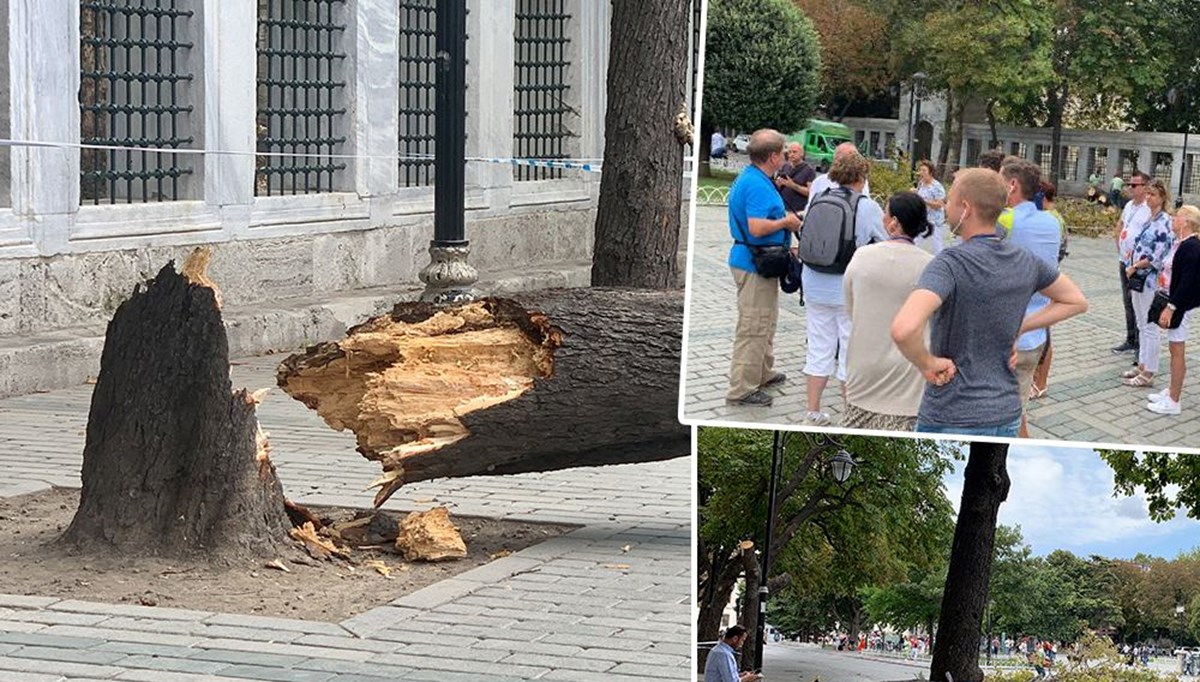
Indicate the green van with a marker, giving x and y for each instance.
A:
(820, 138)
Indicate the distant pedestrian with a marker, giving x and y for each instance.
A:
(757, 218)
(934, 196)
(992, 159)
(975, 294)
(1133, 217)
(1181, 281)
(1114, 191)
(795, 178)
(1150, 248)
(721, 665)
(717, 148)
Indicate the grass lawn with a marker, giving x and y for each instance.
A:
(719, 178)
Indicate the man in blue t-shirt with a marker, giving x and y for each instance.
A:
(757, 217)
(973, 296)
(1039, 233)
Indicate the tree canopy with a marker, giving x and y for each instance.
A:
(762, 65)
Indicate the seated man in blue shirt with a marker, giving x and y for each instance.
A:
(757, 217)
(721, 665)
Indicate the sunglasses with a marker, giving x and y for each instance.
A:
(1137, 184)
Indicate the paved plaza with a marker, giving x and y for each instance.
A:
(1086, 400)
(609, 601)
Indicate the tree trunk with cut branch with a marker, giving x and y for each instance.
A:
(566, 378)
(985, 487)
(637, 223)
(750, 605)
(174, 463)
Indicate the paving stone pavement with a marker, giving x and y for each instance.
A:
(1086, 401)
(578, 607)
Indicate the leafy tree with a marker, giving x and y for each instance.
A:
(830, 539)
(910, 605)
(1169, 482)
(762, 65)
(853, 38)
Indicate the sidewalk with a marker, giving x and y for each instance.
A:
(555, 611)
(1086, 400)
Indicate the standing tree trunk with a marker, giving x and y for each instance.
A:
(718, 576)
(956, 650)
(750, 601)
(704, 159)
(991, 119)
(567, 378)
(637, 225)
(949, 154)
(1057, 102)
(174, 463)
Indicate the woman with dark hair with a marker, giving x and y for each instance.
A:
(934, 196)
(883, 389)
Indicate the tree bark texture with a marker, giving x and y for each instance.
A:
(1057, 102)
(986, 483)
(750, 604)
(566, 378)
(637, 224)
(718, 576)
(174, 463)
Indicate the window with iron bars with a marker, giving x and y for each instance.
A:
(1126, 162)
(1191, 180)
(1098, 162)
(1069, 162)
(301, 96)
(418, 94)
(135, 82)
(1162, 167)
(1018, 149)
(5, 117)
(542, 87)
(974, 150)
(1042, 157)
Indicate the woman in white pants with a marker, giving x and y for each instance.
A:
(1150, 251)
(1181, 279)
(828, 323)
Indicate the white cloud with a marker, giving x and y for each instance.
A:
(1063, 499)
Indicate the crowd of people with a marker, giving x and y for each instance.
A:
(929, 331)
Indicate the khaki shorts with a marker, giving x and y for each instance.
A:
(1027, 362)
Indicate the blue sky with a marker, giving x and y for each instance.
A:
(1063, 499)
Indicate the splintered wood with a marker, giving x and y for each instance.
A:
(430, 536)
(564, 378)
(403, 386)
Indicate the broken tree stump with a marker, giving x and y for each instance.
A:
(174, 462)
(565, 378)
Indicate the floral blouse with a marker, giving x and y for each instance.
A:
(1154, 242)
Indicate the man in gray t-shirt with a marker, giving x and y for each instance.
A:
(975, 293)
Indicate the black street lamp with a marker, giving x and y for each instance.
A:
(448, 277)
(1174, 96)
(841, 466)
(918, 92)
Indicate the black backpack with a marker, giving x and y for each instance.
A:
(827, 241)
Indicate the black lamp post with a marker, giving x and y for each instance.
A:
(448, 277)
(1174, 96)
(918, 91)
(841, 466)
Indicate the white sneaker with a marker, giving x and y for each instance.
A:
(818, 418)
(1164, 406)
(1159, 396)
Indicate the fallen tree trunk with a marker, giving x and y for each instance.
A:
(567, 378)
(174, 462)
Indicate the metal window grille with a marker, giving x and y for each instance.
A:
(1041, 154)
(1070, 163)
(874, 148)
(1191, 179)
(133, 92)
(1098, 163)
(974, 150)
(418, 90)
(889, 143)
(1162, 167)
(300, 95)
(1126, 162)
(541, 86)
(1019, 149)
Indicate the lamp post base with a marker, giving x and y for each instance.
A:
(449, 276)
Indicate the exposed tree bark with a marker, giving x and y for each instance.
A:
(948, 155)
(704, 162)
(750, 601)
(718, 576)
(580, 377)
(637, 224)
(991, 119)
(986, 484)
(1057, 102)
(174, 462)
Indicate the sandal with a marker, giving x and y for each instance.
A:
(1131, 373)
(1140, 381)
(1036, 393)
